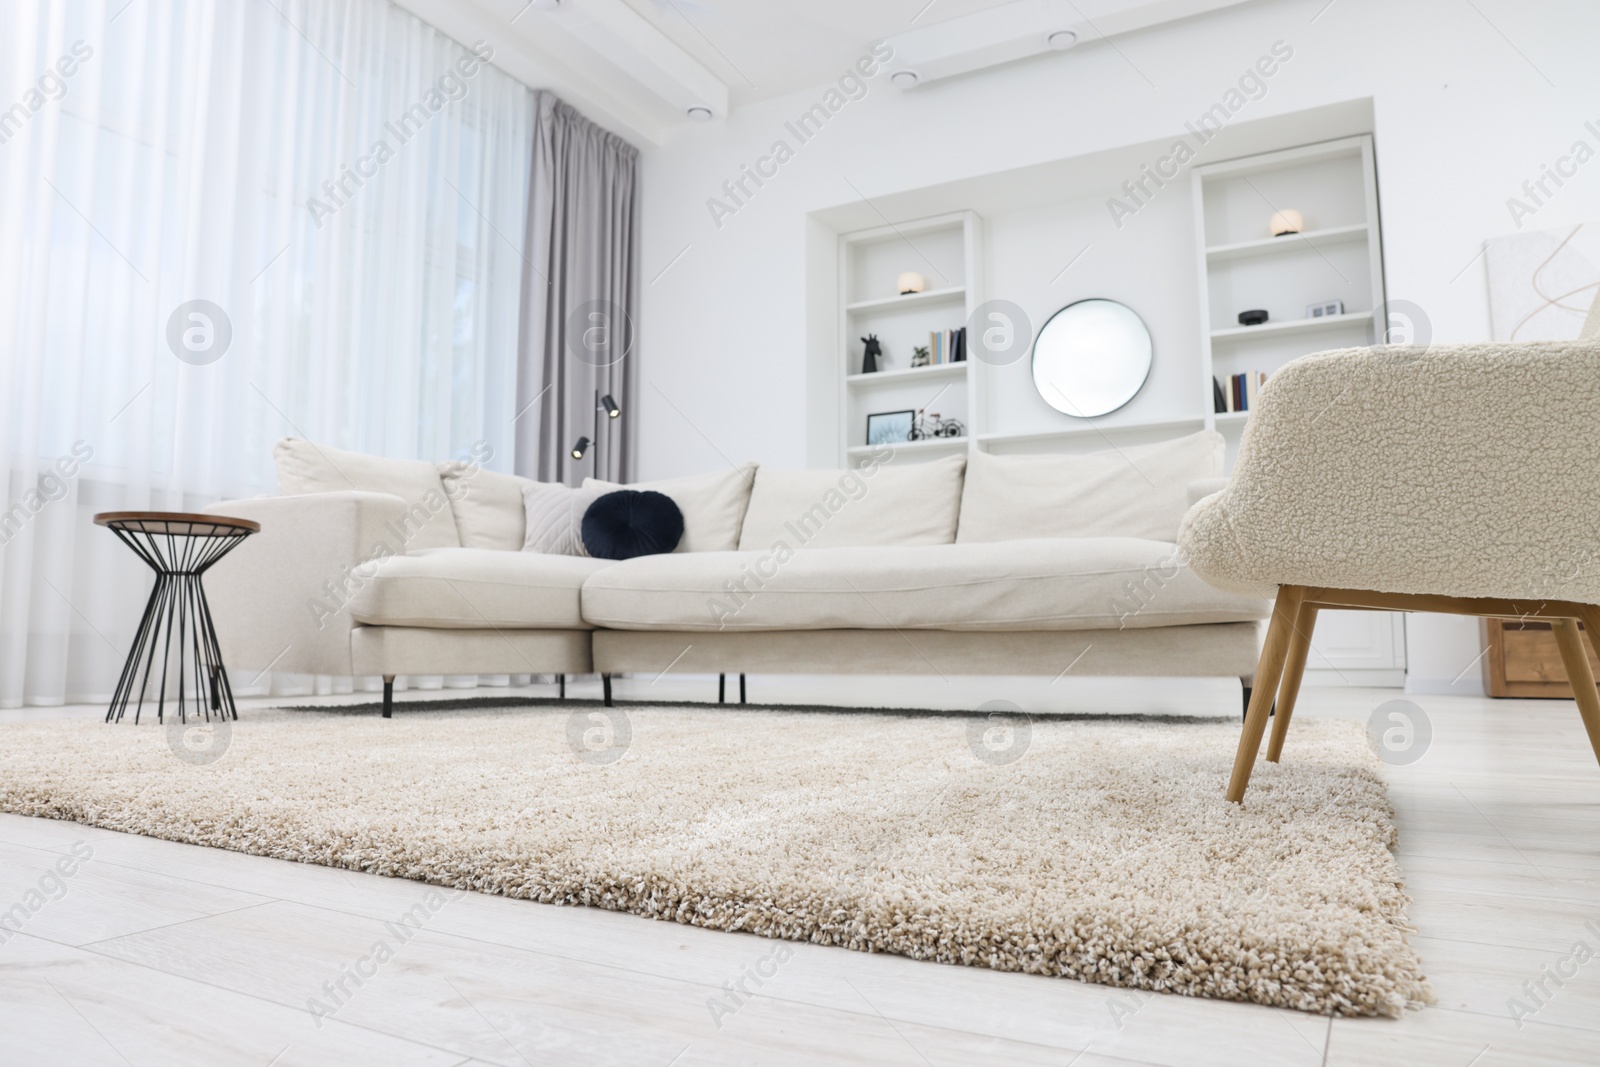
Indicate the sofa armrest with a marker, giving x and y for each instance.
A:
(1460, 470)
(278, 600)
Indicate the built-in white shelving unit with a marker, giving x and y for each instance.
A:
(1274, 245)
(1272, 329)
(946, 251)
(932, 445)
(1339, 256)
(1091, 428)
(1241, 266)
(911, 374)
(1238, 266)
(899, 302)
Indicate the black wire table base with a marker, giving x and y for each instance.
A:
(176, 630)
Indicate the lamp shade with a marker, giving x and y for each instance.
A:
(911, 282)
(1286, 221)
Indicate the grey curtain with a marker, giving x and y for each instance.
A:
(580, 299)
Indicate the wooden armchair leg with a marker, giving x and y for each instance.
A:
(1268, 670)
(1294, 668)
(1576, 661)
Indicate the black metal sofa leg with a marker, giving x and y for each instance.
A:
(388, 696)
(605, 684)
(1246, 713)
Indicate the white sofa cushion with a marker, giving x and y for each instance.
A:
(473, 588)
(487, 505)
(304, 467)
(876, 504)
(1046, 584)
(713, 505)
(1138, 491)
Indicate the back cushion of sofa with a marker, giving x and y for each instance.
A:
(304, 467)
(877, 504)
(487, 505)
(713, 505)
(1138, 491)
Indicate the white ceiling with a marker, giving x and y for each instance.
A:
(768, 48)
(636, 66)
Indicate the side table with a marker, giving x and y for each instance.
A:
(179, 547)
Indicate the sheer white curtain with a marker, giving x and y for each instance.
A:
(343, 185)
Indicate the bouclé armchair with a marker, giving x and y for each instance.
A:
(1454, 478)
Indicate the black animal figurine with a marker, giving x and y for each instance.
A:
(869, 361)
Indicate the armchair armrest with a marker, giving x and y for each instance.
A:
(278, 600)
(1460, 470)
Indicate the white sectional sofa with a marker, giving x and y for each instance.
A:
(997, 565)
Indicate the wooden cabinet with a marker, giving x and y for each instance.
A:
(1522, 660)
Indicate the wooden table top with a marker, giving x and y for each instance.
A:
(178, 523)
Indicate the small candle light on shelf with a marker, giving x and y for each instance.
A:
(1286, 221)
(911, 282)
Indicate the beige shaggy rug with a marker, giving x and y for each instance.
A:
(1099, 850)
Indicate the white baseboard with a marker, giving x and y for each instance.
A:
(1471, 686)
(1367, 678)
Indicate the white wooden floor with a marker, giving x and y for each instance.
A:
(160, 953)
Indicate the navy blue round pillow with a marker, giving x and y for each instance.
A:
(631, 522)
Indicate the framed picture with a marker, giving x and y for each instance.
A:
(890, 427)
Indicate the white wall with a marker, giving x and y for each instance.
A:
(1152, 270)
(1462, 118)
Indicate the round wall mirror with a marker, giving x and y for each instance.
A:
(1091, 358)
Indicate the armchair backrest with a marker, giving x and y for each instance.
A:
(1454, 470)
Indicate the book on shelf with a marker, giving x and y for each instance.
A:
(947, 346)
(1239, 392)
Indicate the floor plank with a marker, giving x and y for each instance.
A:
(505, 1005)
(94, 901)
(68, 1005)
(1442, 1038)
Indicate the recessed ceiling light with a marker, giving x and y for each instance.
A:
(699, 114)
(904, 79)
(1061, 40)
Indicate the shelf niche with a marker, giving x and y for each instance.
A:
(1241, 266)
(944, 250)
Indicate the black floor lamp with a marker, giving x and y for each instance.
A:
(581, 449)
